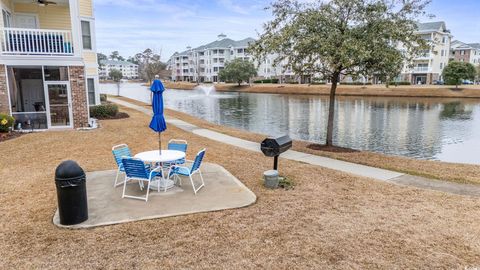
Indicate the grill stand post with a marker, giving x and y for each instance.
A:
(275, 163)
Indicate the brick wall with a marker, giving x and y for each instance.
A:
(462, 58)
(4, 106)
(79, 96)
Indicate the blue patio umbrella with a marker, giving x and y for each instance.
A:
(158, 120)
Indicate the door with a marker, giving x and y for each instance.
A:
(32, 95)
(26, 21)
(59, 105)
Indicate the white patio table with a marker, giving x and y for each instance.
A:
(167, 156)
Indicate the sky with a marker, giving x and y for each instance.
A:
(167, 26)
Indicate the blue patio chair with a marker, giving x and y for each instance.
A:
(120, 151)
(136, 170)
(179, 145)
(177, 171)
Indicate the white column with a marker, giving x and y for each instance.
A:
(76, 28)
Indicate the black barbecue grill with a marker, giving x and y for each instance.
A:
(273, 147)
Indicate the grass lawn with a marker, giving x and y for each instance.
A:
(330, 219)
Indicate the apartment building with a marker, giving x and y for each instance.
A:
(465, 52)
(428, 68)
(129, 70)
(48, 63)
(203, 63)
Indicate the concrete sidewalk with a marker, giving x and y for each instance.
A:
(334, 164)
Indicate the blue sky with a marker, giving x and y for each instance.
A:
(130, 26)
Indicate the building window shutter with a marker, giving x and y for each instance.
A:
(86, 35)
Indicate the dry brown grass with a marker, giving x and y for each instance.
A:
(467, 91)
(330, 220)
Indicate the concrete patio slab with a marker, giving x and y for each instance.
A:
(106, 206)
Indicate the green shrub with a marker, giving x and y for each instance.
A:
(103, 98)
(6, 122)
(355, 83)
(103, 111)
(400, 83)
(266, 81)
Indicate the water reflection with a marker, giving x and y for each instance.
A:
(443, 129)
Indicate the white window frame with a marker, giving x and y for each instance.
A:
(92, 34)
(10, 17)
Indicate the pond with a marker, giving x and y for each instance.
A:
(423, 128)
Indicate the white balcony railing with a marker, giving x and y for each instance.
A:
(421, 69)
(424, 56)
(21, 41)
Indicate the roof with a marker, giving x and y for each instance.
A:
(475, 45)
(116, 62)
(223, 43)
(458, 45)
(432, 26)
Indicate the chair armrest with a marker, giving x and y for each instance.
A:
(155, 170)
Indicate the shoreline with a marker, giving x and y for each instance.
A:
(465, 91)
(438, 170)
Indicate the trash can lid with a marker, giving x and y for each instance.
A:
(68, 170)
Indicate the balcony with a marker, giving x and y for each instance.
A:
(424, 56)
(421, 70)
(22, 41)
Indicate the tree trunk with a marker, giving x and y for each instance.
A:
(331, 109)
(118, 89)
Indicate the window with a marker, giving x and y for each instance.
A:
(240, 50)
(91, 91)
(52, 73)
(441, 65)
(444, 40)
(442, 53)
(462, 52)
(86, 35)
(221, 51)
(215, 69)
(7, 18)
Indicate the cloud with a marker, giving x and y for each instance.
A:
(169, 26)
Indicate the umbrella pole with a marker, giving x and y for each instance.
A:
(160, 142)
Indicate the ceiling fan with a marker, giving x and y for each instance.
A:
(45, 3)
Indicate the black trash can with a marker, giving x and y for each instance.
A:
(71, 193)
